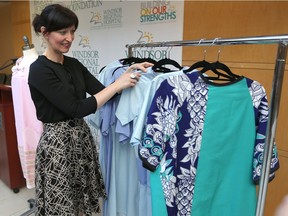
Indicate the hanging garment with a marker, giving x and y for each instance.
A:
(207, 141)
(116, 120)
(28, 127)
(126, 196)
(102, 121)
(149, 93)
(157, 198)
(127, 112)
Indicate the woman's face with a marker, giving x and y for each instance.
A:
(61, 40)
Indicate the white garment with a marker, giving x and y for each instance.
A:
(28, 127)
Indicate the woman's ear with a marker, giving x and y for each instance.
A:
(43, 31)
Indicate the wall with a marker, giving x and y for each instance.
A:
(16, 25)
(21, 25)
(230, 19)
(6, 43)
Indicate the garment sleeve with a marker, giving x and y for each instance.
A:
(48, 84)
(152, 148)
(92, 84)
(261, 110)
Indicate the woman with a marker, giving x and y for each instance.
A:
(68, 178)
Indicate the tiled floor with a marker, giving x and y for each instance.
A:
(14, 204)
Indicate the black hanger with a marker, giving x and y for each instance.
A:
(218, 68)
(130, 60)
(223, 67)
(196, 65)
(206, 65)
(102, 69)
(159, 66)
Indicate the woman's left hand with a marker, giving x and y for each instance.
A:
(130, 77)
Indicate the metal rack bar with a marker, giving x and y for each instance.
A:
(282, 41)
(212, 42)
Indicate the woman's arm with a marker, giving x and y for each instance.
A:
(128, 79)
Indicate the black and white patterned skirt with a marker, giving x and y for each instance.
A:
(68, 176)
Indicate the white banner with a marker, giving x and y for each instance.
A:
(106, 27)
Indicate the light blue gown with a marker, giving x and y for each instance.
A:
(127, 195)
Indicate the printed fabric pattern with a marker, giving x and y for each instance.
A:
(173, 135)
(67, 167)
(168, 125)
(261, 109)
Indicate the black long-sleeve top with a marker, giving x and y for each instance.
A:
(59, 92)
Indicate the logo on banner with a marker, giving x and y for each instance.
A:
(109, 18)
(86, 55)
(156, 53)
(84, 41)
(157, 12)
(145, 37)
(96, 18)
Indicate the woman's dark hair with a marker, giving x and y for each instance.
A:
(55, 17)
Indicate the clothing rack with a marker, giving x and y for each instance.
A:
(279, 69)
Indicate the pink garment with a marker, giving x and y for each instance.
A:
(28, 127)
